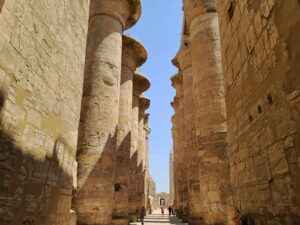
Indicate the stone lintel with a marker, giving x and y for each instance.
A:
(140, 83)
(134, 53)
(127, 12)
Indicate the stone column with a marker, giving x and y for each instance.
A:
(144, 104)
(133, 56)
(202, 23)
(93, 200)
(140, 85)
(178, 125)
(190, 187)
(147, 179)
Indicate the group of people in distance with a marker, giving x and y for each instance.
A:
(171, 210)
(142, 212)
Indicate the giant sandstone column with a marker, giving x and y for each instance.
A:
(140, 85)
(190, 186)
(178, 129)
(144, 104)
(202, 23)
(133, 56)
(100, 108)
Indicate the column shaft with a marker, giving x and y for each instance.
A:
(141, 160)
(133, 159)
(189, 187)
(211, 117)
(133, 55)
(121, 202)
(99, 118)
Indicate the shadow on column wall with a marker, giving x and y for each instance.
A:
(34, 190)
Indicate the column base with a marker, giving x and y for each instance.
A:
(120, 221)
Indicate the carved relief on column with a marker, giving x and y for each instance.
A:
(211, 128)
(140, 85)
(133, 56)
(93, 200)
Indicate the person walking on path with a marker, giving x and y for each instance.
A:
(162, 210)
(142, 213)
(170, 210)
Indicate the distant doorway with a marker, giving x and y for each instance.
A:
(162, 202)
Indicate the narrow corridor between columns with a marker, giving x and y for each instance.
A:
(157, 218)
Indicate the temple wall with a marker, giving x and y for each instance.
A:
(260, 52)
(42, 52)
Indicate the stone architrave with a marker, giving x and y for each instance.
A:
(93, 200)
(140, 85)
(190, 187)
(133, 56)
(144, 104)
(211, 128)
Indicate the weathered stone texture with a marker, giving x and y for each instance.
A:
(260, 50)
(42, 48)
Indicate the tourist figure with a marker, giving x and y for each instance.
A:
(162, 210)
(173, 210)
(142, 213)
(170, 210)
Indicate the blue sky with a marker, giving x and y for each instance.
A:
(159, 29)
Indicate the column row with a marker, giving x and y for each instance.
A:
(111, 144)
(202, 194)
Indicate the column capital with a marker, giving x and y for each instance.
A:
(146, 119)
(127, 12)
(194, 8)
(144, 104)
(140, 83)
(184, 58)
(175, 104)
(134, 53)
(177, 83)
